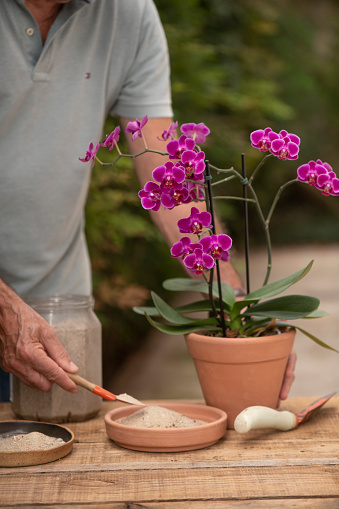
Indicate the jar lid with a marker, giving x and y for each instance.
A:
(61, 301)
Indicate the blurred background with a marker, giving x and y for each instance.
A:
(237, 66)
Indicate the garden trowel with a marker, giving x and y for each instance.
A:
(258, 417)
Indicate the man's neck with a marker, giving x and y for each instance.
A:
(45, 13)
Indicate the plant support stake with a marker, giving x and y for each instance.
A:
(244, 193)
(210, 200)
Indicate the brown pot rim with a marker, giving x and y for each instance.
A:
(249, 339)
(239, 350)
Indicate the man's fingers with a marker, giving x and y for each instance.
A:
(57, 352)
(26, 373)
(43, 352)
(33, 379)
(53, 372)
(289, 376)
(39, 371)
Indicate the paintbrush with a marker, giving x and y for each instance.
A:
(99, 391)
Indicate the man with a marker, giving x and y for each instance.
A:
(65, 65)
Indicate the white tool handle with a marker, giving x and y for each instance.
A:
(258, 417)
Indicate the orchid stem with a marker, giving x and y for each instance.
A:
(131, 156)
(267, 234)
(262, 162)
(211, 208)
(277, 196)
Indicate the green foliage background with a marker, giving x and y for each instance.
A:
(236, 66)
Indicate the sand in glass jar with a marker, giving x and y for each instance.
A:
(79, 330)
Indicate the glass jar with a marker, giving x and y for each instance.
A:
(79, 331)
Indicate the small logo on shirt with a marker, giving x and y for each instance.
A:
(87, 75)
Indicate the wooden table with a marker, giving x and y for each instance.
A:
(263, 469)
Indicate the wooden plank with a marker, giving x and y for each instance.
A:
(171, 485)
(109, 457)
(300, 503)
(224, 453)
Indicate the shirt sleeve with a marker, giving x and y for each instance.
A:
(146, 88)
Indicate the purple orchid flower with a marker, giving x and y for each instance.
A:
(170, 133)
(196, 222)
(175, 148)
(136, 127)
(197, 132)
(198, 261)
(111, 139)
(90, 154)
(262, 139)
(179, 195)
(217, 246)
(195, 190)
(183, 247)
(194, 164)
(310, 172)
(169, 175)
(150, 196)
(321, 175)
(328, 184)
(286, 146)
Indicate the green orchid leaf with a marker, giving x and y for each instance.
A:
(289, 307)
(318, 313)
(227, 291)
(185, 285)
(253, 324)
(180, 329)
(316, 340)
(193, 307)
(172, 316)
(241, 304)
(280, 286)
(151, 311)
(168, 313)
(194, 285)
(200, 306)
(308, 334)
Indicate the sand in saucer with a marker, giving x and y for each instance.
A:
(159, 417)
(34, 441)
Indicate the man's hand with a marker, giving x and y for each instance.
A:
(289, 376)
(29, 346)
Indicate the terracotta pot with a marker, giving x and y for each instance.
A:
(236, 373)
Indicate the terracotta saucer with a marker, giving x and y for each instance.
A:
(168, 439)
(36, 457)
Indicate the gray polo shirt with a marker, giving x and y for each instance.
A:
(101, 56)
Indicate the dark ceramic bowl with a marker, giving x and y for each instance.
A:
(34, 457)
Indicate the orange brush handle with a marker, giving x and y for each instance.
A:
(82, 382)
(104, 394)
